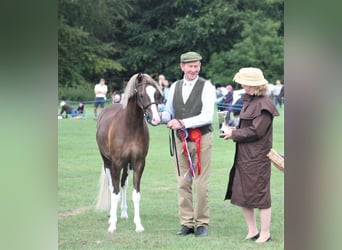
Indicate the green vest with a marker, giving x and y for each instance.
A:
(193, 105)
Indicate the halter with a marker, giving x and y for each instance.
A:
(144, 108)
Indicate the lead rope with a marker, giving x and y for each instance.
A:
(173, 149)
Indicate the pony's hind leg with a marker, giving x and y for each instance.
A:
(124, 184)
(114, 201)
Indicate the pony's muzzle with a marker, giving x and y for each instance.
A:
(154, 121)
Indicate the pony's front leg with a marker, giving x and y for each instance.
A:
(136, 201)
(114, 201)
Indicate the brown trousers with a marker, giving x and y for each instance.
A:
(193, 207)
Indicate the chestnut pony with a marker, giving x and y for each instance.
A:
(123, 141)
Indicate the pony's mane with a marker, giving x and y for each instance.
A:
(130, 87)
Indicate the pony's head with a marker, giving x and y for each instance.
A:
(147, 94)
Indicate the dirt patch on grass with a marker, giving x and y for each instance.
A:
(73, 212)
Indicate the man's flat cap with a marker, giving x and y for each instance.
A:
(190, 57)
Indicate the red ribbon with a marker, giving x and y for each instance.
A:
(194, 134)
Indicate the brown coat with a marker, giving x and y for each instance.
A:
(249, 179)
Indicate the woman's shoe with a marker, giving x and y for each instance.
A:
(254, 237)
(269, 239)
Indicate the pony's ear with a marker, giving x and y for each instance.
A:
(140, 77)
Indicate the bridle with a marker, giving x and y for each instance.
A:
(144, 108)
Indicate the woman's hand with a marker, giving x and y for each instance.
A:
(227, 132)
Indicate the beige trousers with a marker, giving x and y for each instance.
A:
(193, 202)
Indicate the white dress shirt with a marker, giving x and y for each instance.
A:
(208, 104)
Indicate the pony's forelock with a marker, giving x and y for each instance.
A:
(129, 90)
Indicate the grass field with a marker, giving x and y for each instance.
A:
(82, 227)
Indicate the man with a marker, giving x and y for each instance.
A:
(100, 91)
(189, 112)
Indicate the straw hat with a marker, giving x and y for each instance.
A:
(250, 77)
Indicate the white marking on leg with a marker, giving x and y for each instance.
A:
(111, 189)
(124, 214)
(136, 201)
(115, 199)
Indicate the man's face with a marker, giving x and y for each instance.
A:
(191, 69)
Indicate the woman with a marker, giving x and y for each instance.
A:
(249, 180)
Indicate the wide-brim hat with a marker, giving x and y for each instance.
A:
(190, 57)
(250, 77)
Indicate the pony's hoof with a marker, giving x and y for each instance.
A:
(111, 229)
(124, 216)
(139, 229)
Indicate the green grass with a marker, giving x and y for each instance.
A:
(82, 227)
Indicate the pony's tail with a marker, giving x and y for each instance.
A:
(102, 202)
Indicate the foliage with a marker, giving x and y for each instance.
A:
(86, 50)
(115, 39)
(76, 92)
(260, 46)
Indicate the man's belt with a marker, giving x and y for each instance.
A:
(206, 129)
(192, 134)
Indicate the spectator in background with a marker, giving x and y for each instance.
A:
(165, 86)
(281, 96)
(116, 97)
(219, 96)
(270, 89)
(100, 91)
(236, 109)
(225, 105)
(166, 89)
(161, 79)
(276, 92)
(69, 110)
(219, 92)
(80, 108)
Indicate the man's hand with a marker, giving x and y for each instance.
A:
(175, 124)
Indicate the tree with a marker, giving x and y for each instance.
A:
(87, 45)
(259, 46)
(116, 39)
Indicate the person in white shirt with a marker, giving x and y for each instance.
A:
(100, 91)
(189, 111)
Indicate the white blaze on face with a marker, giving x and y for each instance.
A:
(155, 116)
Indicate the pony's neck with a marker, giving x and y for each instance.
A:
(134, 112)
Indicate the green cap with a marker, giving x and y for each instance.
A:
(190, 57)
